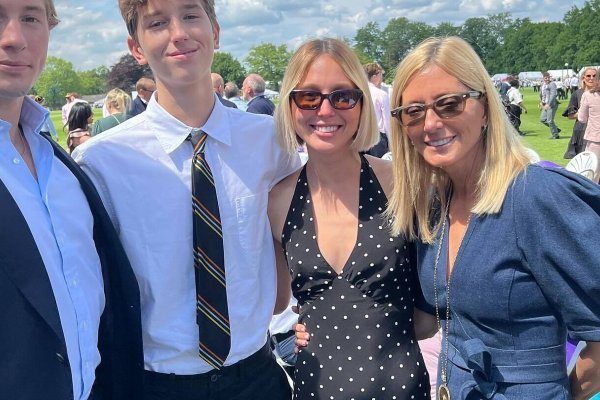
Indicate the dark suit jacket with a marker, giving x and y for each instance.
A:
(34, 362)
(261, 105)
(226, 102)
(137, 107)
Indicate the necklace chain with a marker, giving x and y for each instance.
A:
(445, 332)
(23, 143)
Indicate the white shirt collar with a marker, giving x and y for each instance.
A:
(171, 132)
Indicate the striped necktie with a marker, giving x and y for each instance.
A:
(209, 266)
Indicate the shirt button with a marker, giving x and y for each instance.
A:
(16, 160)
(74, 283)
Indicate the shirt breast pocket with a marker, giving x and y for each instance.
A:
(252, 224)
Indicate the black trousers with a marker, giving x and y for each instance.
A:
(256, 377)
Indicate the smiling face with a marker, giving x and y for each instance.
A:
(177, 40)
(24, 34)
(454, 144)
(326, 129)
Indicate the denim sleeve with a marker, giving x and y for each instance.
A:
(557, 220)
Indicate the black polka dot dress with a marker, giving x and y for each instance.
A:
(362, 343)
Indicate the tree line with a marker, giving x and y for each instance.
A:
(504, 44)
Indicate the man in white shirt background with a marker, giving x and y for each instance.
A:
(381, 103)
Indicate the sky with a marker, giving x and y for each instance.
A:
(92, 33)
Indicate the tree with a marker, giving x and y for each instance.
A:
(56, 80)
(93, 81)
(269, 61)
(228, 67)
(369, 43)
(400, 36)
(126, 72)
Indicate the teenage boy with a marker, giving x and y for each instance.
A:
(143, 169)
(70, 323)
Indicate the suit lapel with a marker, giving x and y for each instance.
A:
(20, 258)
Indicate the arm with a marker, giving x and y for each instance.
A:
(582, 113)
(284, 281)
(585, 377)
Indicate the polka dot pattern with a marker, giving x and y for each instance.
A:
(362, 341)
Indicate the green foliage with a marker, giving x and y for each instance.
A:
(93, 81)
(503, 43)
(126, 72)
(56, 80)
(228, 67)
(269, 61)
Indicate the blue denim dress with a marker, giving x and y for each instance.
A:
(523, 280)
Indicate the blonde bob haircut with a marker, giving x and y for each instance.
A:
(420, 190)
(118, 99)
(368, 133)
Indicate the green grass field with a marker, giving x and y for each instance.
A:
(537, 135)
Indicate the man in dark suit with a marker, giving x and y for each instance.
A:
(253, 90)
(144, 88)
(219, 87)
(70, 323)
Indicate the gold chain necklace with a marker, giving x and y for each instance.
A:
(443, 392)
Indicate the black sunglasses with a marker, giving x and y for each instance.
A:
(447, 106)
(343, 99)
(590, 76)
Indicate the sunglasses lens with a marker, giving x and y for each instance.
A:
(449, 106)
(344, 99)
(306, 99)
(412, 115)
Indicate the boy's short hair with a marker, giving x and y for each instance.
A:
(51, 14)
(372, 69)
(130, 13)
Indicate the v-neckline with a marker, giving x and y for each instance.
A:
(345, 267)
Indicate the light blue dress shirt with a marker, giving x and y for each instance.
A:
(61, 223)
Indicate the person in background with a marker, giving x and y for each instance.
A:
(516, 105)
(117, 103)
(232, 93)
(356, 284)
(549, 103)
(589, 114)
(381, 105)
(577, 143)
(71, 98)
(219, 87)
(188, 183)
(70, 320)
(253, 90)
(48, 127)
(144, 87)
(78, 125)
(507, 254)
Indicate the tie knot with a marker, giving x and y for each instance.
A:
(198, 139)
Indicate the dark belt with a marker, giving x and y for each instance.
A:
(247, 366)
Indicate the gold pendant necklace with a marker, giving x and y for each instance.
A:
(443, 393)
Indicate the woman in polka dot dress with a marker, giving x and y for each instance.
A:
(356, 284)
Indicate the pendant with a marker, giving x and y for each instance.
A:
(443, 392)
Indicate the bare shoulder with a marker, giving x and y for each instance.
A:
(384, 171)
(280, 198)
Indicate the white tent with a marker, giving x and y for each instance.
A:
(561, 73)
(530, 76)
